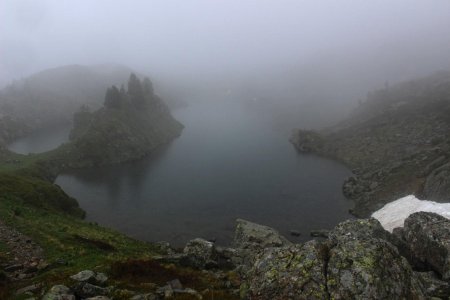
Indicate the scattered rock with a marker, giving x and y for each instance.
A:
(145, 297)
(87, 290)
(31, 288)
(190, 292)
(319, 233)
(200, 253)
(13, 268)
(91, 277)
(175, 284)
(59, 292)
(165, 291)
(252, 235)
(295, 233)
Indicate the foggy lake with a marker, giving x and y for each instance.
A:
(41, 140)
(227, 164)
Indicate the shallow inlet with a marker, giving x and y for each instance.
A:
(228, 163)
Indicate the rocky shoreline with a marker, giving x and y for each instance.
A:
(396, 143)
(359, 260)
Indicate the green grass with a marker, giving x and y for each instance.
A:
(71, 245)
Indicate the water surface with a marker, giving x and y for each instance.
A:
(42, 140)
(227, 164)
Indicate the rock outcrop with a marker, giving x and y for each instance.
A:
(356, 262)
(396, 143)
(427, 236)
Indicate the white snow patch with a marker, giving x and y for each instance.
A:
(393, 214)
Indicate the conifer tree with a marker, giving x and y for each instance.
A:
(136, 92)
(113, 98)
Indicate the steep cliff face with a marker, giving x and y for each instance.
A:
(397, 143)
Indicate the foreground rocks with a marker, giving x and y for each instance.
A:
(354, 263)
(427, 236)
(358, 260)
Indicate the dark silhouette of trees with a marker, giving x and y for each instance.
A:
(113, 98)
(147, 87)
(136, 92)
(122, 91)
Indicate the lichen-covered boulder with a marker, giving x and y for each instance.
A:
(363, 264)
(428, 238)
(294, 272)
(356, 262)
(200, 253)
(255, 236)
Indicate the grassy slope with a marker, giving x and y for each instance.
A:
(36, 207)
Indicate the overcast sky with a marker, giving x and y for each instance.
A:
(208, 36)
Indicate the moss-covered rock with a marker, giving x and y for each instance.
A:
(295, 272)
(356, 262)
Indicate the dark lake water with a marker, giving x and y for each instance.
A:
(227, 164)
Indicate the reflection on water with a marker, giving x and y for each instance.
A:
(227, 164)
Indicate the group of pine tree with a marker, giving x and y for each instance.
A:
(139, 95)
(138, 98)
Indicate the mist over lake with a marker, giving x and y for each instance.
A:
(228, 163)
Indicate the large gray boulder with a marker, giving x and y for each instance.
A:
(363, 264)
(256, 236)
(428, 238)
(356, 262)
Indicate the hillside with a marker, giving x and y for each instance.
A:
(396, 142)
(52, 96)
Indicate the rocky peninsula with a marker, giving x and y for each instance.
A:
(396, 143)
